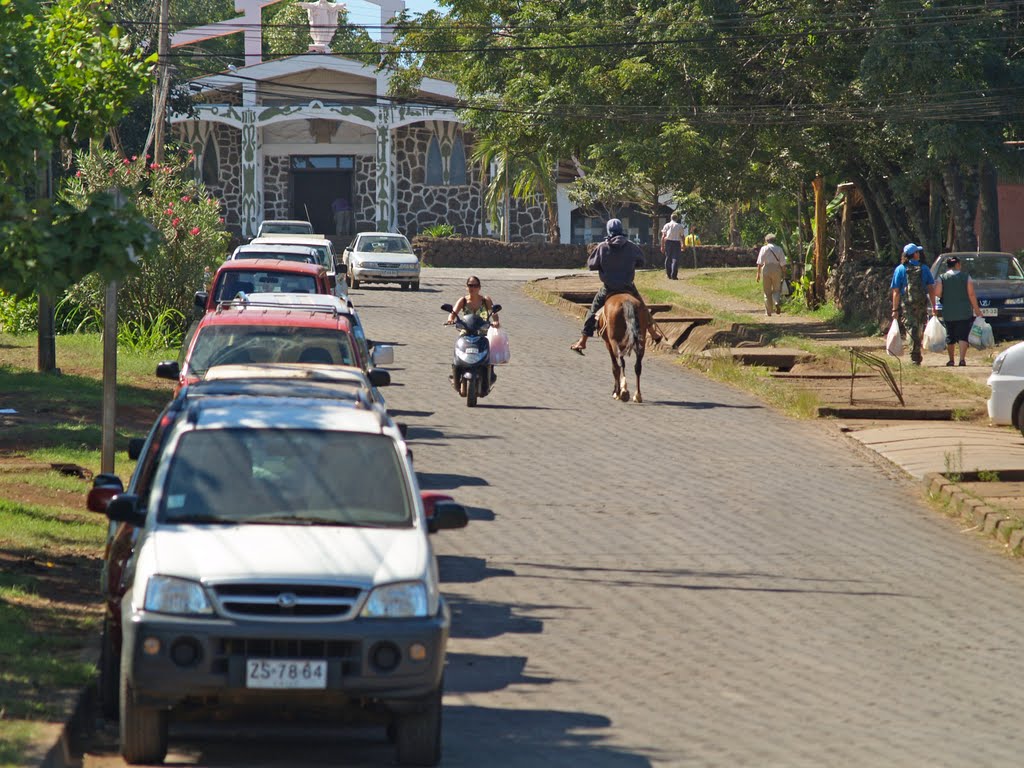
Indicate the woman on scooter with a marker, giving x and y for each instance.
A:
(474, 303)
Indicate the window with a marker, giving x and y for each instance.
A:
(435, 174)
(457, 171)
(322, 163)
(211, 164)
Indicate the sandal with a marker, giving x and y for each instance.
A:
(950, 364)
(963, 363)
(577, 349)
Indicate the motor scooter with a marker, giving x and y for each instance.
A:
(472, 373)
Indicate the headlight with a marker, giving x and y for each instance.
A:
(997, 364)
(397, 601)
(167, 594)
(1014, 302)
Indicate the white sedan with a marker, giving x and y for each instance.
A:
(381, 257)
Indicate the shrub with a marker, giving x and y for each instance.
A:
(18, 315)
(439, 230)
(159, 294)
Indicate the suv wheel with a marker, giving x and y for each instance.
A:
(415, 285)
(352, 282)
(143, 729)
(110, 672)
(418, 734)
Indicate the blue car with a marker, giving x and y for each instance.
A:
(999, 285)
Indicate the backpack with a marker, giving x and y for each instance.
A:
(915, 300)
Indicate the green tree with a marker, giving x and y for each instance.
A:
(286, 33)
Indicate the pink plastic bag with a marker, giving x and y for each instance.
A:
(498, 340)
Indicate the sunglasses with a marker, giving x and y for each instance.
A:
(472, 285)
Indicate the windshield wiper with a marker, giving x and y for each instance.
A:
(308, 519)
(202, 519)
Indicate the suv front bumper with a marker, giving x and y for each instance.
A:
(172, 658)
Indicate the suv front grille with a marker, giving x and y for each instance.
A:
(347, 653)
(287, 601)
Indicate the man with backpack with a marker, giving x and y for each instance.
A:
(913, 295)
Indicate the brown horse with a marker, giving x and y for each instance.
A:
(623, 324)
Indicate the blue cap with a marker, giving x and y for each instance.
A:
(911, 248)
(615, 227)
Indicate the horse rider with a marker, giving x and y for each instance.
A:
(616, 260)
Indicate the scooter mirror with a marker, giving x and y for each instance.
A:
(496, 308)
(446, 307)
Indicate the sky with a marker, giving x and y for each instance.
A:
(360, 12)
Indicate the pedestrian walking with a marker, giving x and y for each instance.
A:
(672, 245)
(771, 260)
(913, 296)
(959, 307)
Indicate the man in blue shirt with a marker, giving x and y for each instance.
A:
(913, 295)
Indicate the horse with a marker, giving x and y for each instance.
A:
(623, 324)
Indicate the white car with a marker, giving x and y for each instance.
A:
(381, 257)
(1006, 401)
(282, 556)
(324, 247)
(284, 227)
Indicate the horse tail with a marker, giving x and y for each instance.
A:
(632, 341)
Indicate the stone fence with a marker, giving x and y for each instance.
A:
(486, 252)
(861, 290)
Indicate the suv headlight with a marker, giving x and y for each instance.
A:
(168, 594)
(397, 601)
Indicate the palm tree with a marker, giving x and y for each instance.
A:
(516, 175)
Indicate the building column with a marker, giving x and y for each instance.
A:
(251, 213)
(387, 201)
(564, 205)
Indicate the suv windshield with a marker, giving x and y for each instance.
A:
(384, 244)
(285, 228)
(231, 283)
(286, 476)
(241, 344)
(303, 258)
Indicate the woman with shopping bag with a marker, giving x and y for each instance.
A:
(959, 308)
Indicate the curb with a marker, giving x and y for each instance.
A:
(67, 751)
(983, 518)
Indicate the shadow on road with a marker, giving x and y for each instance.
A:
(475, 673)
(480, 619)
(456, 569)
(440, 481)
(703, 406)
(415, 414)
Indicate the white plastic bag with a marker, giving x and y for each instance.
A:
(894, 340)
(935, 335)
(498, 341)
(981, 336)
(784, 288)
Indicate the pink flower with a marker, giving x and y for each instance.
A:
(134, 158)
(185, 198)
(175, 221)
(169, 211)
(191, 152)
(154, 166)
(221, 219)
(194, 231)
(78, 174)
(126, 161)
(111, 172)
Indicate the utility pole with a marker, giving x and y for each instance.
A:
(109, 409)
(46, 339)
(162, 86)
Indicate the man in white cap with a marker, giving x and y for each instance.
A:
(913, 296)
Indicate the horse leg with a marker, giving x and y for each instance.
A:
(638, 398)
(615, 369)
(623, 384)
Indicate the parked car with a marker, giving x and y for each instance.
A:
(323, 246)
(284, 227)
(1006, 382)
(250, 331)
(999, 285)
(306, 525)
(305, 254)
(381, 257)
(261, 276)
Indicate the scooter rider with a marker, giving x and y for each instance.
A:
(474, 303)
(616, 260)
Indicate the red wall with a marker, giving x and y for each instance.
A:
(1011, 217)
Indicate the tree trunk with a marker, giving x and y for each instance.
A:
(988, 206)
(874, 215)
(961, 206)
(879, 193)
(934, 244)
(735, 239)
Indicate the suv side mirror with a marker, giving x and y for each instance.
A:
(200, 299)
(104, 488)
(447, 516)
(168, 369)
(341, 268)
(379, 377)
(382, 354)
(124, 508)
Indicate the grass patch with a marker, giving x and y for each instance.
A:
(28, 526)
(757, 381)
(16, 736)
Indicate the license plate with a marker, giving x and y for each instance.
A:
(285, 673)
(389, 273)
(990, 311)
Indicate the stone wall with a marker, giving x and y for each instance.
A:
(229, 190)
(861, 290)
(487, 252)
(276, 175)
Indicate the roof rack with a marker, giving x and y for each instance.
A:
(242, 300)
(310, 389)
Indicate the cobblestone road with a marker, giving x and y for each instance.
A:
(695, 581)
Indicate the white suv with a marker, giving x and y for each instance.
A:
(283, 559)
